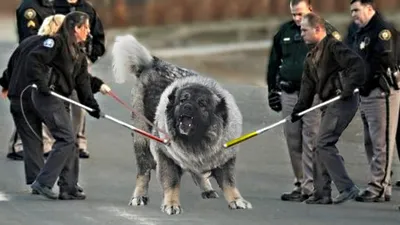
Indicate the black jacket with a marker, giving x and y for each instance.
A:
(46, 61)
(330, 66)
(287, 55)
(376, 43)
(30, 15)
(95, 46)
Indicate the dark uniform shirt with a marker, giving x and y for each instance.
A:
(30, 15)
(376, 43)
(288, 53)
(95, 46)
(330, 66)
(30, 63)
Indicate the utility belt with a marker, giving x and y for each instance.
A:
(289, 86)
(389, 81)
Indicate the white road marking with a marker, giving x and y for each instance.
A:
(129, 216)
(4, 197)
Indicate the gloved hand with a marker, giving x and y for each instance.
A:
(346, 94)
(104, 89)
(274, 100)
(96, 113)
(44, 90)
(295, 117)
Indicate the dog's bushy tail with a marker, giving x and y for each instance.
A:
(128, 56)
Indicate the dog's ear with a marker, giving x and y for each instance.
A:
(222, 110)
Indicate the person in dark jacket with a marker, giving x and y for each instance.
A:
(56, 64)
(331, 68)
(30, 15)
(285, 68)
(375, 41)
(94, 48)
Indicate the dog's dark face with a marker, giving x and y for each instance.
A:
(193, 109)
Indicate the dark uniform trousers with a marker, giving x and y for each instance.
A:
(33, 156)
(63, 161)
(379, 113)
(328, 163)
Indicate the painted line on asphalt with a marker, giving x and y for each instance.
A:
(4, 197)
(129, 216)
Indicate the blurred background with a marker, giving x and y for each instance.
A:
(219, 37)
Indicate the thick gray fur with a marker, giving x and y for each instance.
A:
(154, 79)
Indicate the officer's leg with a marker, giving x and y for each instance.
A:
(30, 132)
(367, 137)
(398, 143)
(311, 123)
(335, 120)
(382, 115)
(15, 149)
(79, 125)
(58, 121)
(292, 132)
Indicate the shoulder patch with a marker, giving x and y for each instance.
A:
(385, 35)
(30, 14)
(336, 35)
(31, 24)
(49, 43)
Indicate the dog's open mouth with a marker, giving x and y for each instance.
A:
(185, 124)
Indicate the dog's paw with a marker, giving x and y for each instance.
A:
(171, 209)
(209, 194)
(240, 204)
(139, 201)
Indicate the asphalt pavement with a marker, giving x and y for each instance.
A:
(108, 177)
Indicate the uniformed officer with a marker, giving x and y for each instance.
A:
(30, 15)
(283, 78)
(95, 48)
(331, 68)
(380, 96)
(57, 64)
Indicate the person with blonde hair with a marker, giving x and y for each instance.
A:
(50, 26)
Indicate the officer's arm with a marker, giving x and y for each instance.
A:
(274, 62)
(354, 74)
(98, 41)
(83, 86)
(330, 29)
(383, 55)
(307, 90)
(39, 59)
(4, 80)
(28, 23)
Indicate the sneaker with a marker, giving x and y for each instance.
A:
(346, 195)
(43, 190)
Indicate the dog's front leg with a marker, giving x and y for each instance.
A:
(169, 175)
(225, 177)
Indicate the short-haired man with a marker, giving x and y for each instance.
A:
(284, 73)
(375, 41)
(331, 68)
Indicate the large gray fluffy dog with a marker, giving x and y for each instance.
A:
(195, 112)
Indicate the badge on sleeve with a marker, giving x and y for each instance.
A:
(49, 43)
(31, 24)
(30, 14)
(385, 35)
(336, 35)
